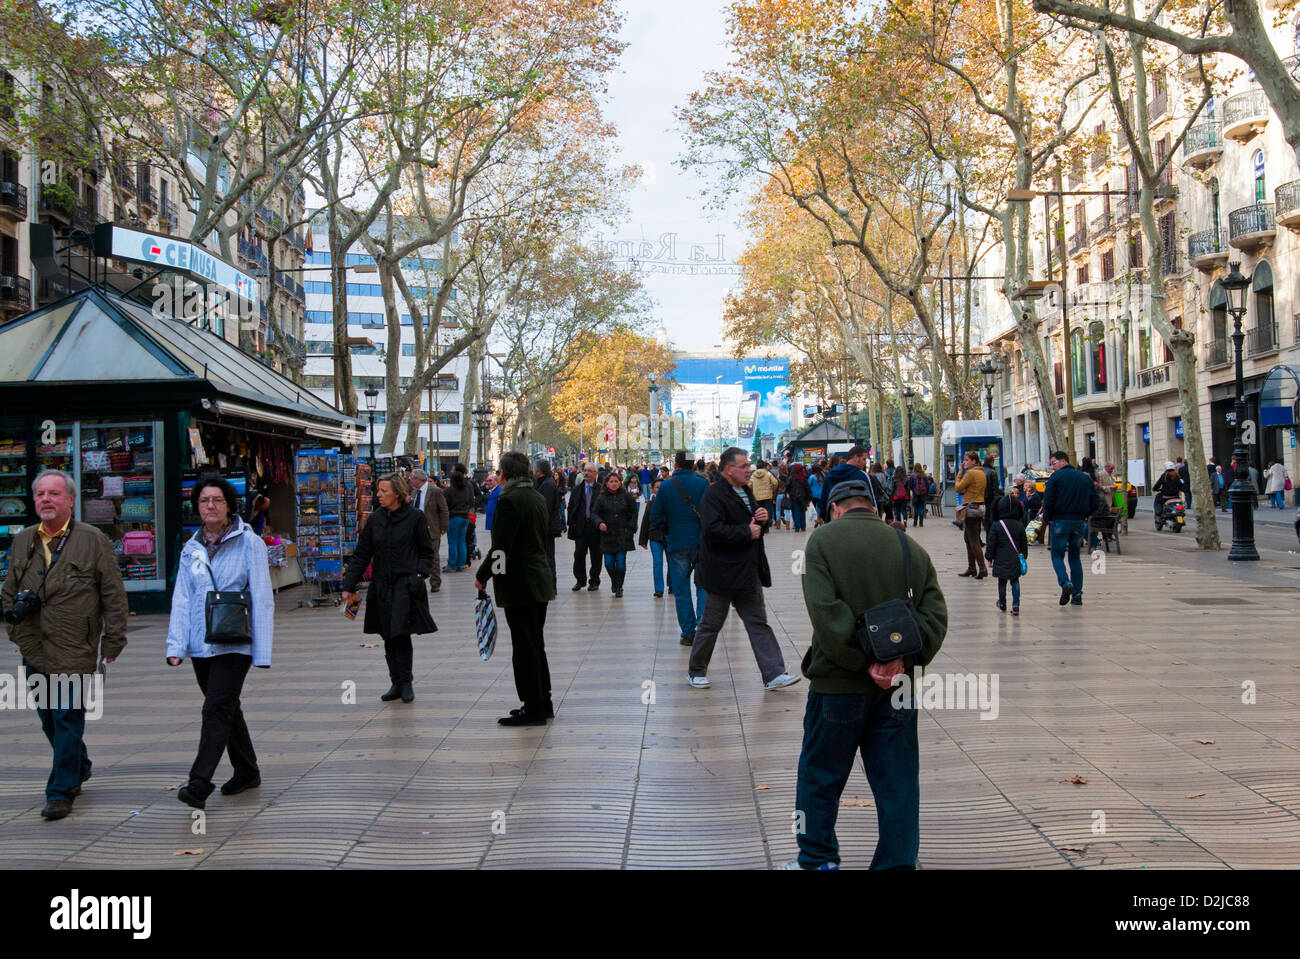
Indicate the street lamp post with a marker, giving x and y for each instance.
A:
(909, 395)
(1241, 493)
(582, 451)
(652, 442)
(482, 414)
(372, 400)
(988, 369)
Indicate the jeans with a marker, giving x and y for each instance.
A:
(66, 731)
(835, 728)
(657, 564)
(749, 605)
(918, 509)
(1015, 592)
(221, 678)
(1067, 535)
(615, 563)
(457, 545)
(532, 672)
(681, 563)
(1278, 498)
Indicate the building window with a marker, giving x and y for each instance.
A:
(1135, 252)
(1144, 342)
(1108, 265)
(1257, 166)
(318, 286)
(1081, 275)
(1265, 319)
(1214, 206)
(1078, 363)
(1097, 339)
(1218, 314)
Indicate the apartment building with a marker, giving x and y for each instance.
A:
(1231, 194)
(140, 195)
(442, 407)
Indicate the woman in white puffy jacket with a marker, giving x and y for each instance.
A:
(1276, 489)
(225, 554)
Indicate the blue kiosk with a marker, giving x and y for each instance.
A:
(957, 437)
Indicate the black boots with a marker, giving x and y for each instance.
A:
(616, 577)
(400, 663)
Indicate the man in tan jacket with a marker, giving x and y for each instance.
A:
(63, 593)
(764, 484)
(427, 496)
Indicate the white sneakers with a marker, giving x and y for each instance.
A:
(779, 682)
(782, 681)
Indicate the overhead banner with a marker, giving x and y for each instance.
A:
(138, 246)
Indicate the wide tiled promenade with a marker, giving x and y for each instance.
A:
(1139, 692)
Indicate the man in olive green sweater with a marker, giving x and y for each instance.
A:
(851, 566)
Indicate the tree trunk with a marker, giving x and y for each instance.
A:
(471, 400)
(346, 392)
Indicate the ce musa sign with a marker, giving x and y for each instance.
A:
(152, 249)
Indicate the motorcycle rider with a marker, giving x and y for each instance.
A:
(1169, 486)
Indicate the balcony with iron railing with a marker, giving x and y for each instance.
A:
(1251, 226)
(290, 286)
(123, 176)
(1204, 144)
(1245, 114)
(253, 252)
(13, 200)
(147, 195)
(1101, 224)
(1155, 376)
(1207, 249)
(1261, 339)
(167, 217)
(15, 292)
(1286, 205)
(299, 241)
(1217, 354)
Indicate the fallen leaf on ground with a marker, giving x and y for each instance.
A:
(1195, 795)
(369, 645)
(1206, 742)
(855, 801)
(1071, 849)
(762, 787)
(1179, 662)
(188, 852)
(1077, 780)
(170, 788)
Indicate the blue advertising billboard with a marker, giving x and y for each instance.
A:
(728, 400)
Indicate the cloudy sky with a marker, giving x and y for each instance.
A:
(671, 44)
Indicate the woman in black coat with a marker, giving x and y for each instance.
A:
(396, 541)
(615, 513)
(1006, 544)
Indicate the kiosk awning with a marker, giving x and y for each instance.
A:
(1278, 396)
(95, 336)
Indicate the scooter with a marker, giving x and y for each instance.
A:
(1173, 512)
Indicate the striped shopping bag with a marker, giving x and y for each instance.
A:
(485, 620)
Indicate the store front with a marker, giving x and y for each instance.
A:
(136, 407)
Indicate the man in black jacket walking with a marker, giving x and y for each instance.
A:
(517, 558)
(585, 533)
(545, 483)
(733, 571)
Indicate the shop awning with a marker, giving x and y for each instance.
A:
(1279, 395)
(953, 430)
(95, 336)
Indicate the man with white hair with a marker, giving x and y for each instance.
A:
(427, 498)
(62, 597)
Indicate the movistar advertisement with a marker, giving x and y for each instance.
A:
(729, 400)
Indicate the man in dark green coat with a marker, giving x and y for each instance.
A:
(851, 565)
(517, 559)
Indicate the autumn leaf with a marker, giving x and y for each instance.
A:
(1077, 780)
(369, 645)
(1206, 742)
(188, 852)
(1195, 795)
(1071, 849)
(756, 788)
(855, 801)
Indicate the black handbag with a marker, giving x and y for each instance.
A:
(890, 629)
(228, 614)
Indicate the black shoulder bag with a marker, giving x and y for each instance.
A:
(228, 614)
(890, 630)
